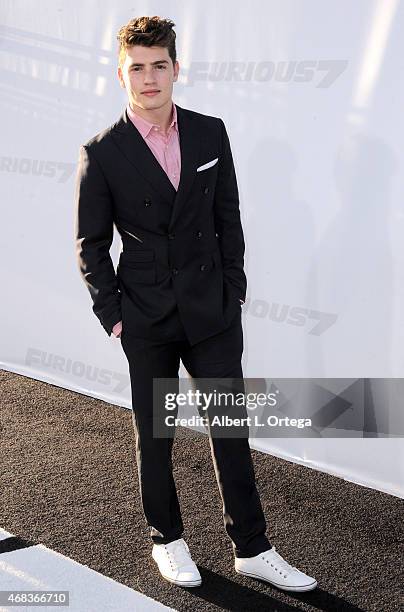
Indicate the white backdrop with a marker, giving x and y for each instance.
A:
(311, 94)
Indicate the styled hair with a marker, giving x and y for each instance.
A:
(147, 32)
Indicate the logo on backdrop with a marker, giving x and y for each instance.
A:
(323, 73)
(61, 171)
(58, 363)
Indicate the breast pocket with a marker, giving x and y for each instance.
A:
(208, 165)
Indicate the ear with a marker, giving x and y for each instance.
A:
(176, 70)
(120, 77)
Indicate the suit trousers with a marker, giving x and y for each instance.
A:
(218, 356)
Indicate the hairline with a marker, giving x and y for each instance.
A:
(121, 63)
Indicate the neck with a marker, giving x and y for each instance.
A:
(160, 116)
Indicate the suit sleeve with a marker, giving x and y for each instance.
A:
(227, 219)
(93, 238)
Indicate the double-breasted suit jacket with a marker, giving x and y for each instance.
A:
(182, 251)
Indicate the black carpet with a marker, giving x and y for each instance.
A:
(68, 480)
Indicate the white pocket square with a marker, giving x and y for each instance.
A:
(207, 165)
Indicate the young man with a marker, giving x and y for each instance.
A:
(165, 177)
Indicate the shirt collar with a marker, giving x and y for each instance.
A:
(145, 126)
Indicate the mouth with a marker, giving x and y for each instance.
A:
(151, 92)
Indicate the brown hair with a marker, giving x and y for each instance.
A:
(147, 32)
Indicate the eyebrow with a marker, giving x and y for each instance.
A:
(152, 63)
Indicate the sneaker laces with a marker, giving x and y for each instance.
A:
(178, 554)
(278, 561)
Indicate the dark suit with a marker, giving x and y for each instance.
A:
(177, 291)
(183, 251)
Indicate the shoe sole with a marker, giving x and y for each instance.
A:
(298, 589)
(194, 583)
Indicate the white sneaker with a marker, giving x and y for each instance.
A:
(175, 563)
(270, 566)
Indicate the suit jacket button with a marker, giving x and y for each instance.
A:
(147, 201)
(203, 267)
(171, 236)
(206, 190)
(175, 271)
(199, 234)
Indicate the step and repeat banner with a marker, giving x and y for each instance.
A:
(311, 97)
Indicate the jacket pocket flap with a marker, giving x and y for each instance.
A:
(137, 256)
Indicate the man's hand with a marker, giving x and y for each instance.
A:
(117, 329)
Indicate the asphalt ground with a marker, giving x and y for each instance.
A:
(68, 480)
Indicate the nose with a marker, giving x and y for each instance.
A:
(149, 76)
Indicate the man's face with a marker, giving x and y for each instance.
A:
(148, 69)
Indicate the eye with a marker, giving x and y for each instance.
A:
(161, 66)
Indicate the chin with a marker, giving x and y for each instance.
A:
(154, 103)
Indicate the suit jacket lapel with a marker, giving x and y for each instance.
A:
(190, 142)
(136, 150)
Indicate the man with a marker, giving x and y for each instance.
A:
(165, 177)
